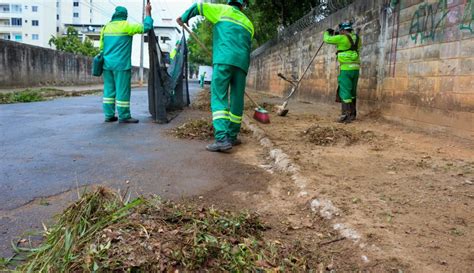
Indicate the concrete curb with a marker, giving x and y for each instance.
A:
(282, 163)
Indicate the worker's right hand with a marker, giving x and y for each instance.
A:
(148, 9)
(330, 31)
(180, 21)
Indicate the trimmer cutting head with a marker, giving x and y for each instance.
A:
(281, 111)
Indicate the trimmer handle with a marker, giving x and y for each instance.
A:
(285, 79)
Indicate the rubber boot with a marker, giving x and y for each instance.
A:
(353, 110)
(112, 119)
(129, 120)
(345, 113)
(220, 146)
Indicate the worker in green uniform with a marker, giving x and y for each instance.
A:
(348, 47)
(202, 79)
(232, 42)
(116, 45)
(175, 50)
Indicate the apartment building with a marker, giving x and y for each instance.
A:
(27, 21)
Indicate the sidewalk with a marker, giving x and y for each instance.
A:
(407, 193)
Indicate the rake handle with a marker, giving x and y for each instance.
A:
(197, 39)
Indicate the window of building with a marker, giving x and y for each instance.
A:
(35, 37)
(16, 22)
(75, 14)
(57, 29)
(5, 8)
(16, 8)
(164, 39)
(26, 7)
(5, 36)
(17, 37)
(76, 4)
(35, 23)
(34, 8)
(57, 16)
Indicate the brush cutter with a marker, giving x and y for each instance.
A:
(260, 113)
(282, 110)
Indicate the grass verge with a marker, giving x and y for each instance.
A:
(102, 232)
(41, 94)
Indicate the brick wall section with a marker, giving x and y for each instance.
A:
(23, 66)
(417, 62)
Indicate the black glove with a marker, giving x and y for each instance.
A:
(330, 31)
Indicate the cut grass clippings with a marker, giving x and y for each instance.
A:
(200, 129)
(102, 232)
(34, 95)
(332, 135)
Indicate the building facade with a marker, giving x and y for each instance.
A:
(27, 21)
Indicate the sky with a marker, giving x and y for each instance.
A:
(169, 9)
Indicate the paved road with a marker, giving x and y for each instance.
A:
(51, 147)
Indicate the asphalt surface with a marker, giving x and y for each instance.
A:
(51, 148)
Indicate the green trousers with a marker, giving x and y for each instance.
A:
(348, 80)
(117, 86)
(201, 82)
(227, 116)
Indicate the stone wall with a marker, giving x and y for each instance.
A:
(417, 62)
(23, 66)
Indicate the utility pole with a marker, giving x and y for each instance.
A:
(142, 46)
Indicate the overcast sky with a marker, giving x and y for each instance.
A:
(168, 9)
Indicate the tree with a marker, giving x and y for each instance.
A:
(72, 44)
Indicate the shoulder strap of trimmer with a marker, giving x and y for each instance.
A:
(354, 46)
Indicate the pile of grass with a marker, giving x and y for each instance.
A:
(103, 233)
(195, 129)
(332, 135)
(200, 129)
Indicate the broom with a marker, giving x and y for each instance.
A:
(260, 114)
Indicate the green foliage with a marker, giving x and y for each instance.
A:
(72, 44)
(23, 96)
(197, 55)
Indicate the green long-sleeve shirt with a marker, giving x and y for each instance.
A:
(349, 60)
(116, 42)
(232, 33)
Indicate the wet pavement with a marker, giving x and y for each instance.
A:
(48, 148)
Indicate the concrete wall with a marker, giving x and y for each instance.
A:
(417, 62)
(24, 65)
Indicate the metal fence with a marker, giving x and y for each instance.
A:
(316, 15)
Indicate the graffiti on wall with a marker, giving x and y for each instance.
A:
(468, 16)
(427, 19)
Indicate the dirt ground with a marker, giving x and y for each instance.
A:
(275, 198)
(289, 218)
(409, 193)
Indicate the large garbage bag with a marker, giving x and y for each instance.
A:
(167, 86)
